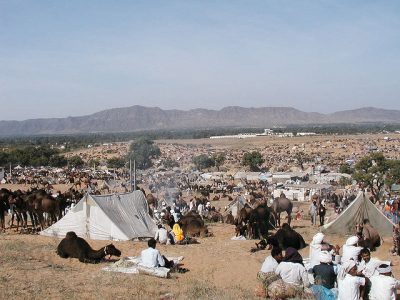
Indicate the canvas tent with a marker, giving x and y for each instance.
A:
(107, 217)
(361, 208)
(235, 206)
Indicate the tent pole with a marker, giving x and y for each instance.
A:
(130, 174)
(134, 175)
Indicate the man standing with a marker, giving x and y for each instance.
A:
(322, 212)
(313, 212)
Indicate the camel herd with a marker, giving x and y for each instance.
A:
(42, 208)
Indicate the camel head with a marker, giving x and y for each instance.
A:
(111, 250)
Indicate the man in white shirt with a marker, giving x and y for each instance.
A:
(383, 286)
(200, 209)
(161, 235)
(349, 282)
(152, 258)
(291, 269)
(368, 266)
(272, 261)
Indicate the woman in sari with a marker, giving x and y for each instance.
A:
(178, 233)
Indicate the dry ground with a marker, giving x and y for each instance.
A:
(219, 269)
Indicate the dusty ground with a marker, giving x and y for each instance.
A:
(219, 269)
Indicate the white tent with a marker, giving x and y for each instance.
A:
(361, 208)
(107, 217)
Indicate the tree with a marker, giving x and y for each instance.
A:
(345, 168)
(203, 161)
(58, 161)
(219, 159)
(301, 158)
(169, 163)
(76, 161)
(370, 171)
(393, 175)
(143, 151)
(116, 162)
(254, 160)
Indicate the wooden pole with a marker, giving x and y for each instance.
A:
(134, 175)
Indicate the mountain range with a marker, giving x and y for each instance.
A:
(137, 118)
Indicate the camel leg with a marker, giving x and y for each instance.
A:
(289, 218)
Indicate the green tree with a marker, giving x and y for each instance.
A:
(301, 158)
(393, 175)
(143, 151)
(345, 168)
(253, 160)
(343, 181)
(203, 161)
(75, 161)
(370, 171)
(116, 162)
(219, 159)
(58, 161)
(169, 163)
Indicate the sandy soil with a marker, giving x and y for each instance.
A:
(219, 268)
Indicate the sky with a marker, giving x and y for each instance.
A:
(72, 57)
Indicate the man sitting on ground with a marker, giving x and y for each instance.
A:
(152, 258)
(161, 235)
(324, 273)
(272, 261)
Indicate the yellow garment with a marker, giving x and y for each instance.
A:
(178, 232)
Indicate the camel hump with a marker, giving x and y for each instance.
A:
(71, 235)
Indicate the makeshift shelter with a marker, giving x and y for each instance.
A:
(107, 217)
(235, 206)
(361, 208)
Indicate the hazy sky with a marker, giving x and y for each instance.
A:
(68, 58)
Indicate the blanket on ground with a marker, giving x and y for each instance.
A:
(131, 265)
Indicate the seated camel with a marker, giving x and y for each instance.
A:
(286, 237)
(75, 247)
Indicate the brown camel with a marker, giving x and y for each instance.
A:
(75, 247)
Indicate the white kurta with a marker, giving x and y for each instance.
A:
(293, 273)
(152, 258)
(370, 269)
(349, 287)
(383, 287)
(269, 265)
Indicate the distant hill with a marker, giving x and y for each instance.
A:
(136, 118)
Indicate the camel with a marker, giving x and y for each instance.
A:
(370, 237)
(279, 205)
(193, 225)
(229, 219)
(286, 237)
(40, 202)
(73, 246)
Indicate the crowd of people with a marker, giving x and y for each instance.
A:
(327, 274)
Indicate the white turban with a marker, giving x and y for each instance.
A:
(325, 257)
(315, 248)
(345, 268)
(382, 269)
(352, 241)
(318, 238)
